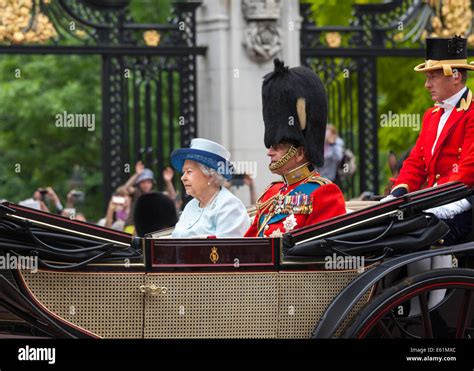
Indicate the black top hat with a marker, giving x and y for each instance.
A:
(445, 54)
(295, 109)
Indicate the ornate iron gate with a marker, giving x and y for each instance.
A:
(135, 70)
(346, 59)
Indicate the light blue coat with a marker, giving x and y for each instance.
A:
(225, 216)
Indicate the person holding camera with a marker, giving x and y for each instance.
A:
(72, 199)
(42, 195)
(118, 209)
(37, 201)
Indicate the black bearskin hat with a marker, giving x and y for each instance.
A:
(295, 109)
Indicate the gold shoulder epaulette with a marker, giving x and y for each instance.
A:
(319, 179)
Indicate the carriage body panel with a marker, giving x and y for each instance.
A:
(119, 286)
(257, 298)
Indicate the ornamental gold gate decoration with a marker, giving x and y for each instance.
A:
(157, 103)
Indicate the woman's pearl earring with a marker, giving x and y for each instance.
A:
(208, 183)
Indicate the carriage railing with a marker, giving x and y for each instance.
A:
(73, 243)
(60, 243)
(402, 207)
(398, 226)
(61, 223)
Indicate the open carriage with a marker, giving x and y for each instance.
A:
(344, 277)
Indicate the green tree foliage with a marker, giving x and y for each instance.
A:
(34, 152)
(150, 11)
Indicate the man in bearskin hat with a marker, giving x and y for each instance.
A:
(294, 113)
(444, 150)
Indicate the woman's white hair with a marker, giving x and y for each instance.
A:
(216, 177)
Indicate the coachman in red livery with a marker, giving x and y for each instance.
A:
(444, 150)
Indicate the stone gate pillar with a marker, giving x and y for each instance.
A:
(243, 37)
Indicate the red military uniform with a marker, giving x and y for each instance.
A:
(288, 205)
(453, 156)
(304, 198)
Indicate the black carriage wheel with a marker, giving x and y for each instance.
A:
(453, 317)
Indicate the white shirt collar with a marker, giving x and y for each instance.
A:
(450, 103)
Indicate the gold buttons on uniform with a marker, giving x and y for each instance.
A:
(438, 176)
(459, 149)
(266, 227)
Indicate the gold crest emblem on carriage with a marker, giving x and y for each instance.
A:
(214, 256)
